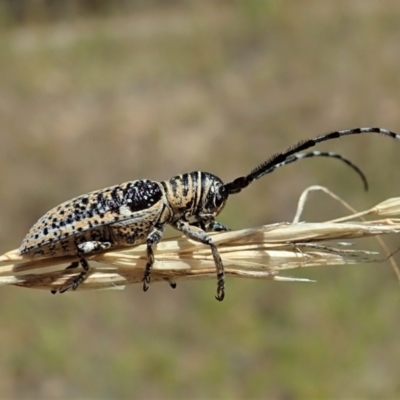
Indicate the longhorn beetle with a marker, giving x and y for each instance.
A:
(97, 218)
(137, 212)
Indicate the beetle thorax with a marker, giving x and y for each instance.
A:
(198, 194)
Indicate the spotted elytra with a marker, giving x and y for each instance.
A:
(136, 212)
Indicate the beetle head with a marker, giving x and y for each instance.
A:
(213, 195)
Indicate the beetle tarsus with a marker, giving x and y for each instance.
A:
(146, 279)
(77, 280)
(220, 287)
(172, 284)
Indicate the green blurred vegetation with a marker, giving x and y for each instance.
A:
(96, 93)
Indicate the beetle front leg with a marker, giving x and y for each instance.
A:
(198, 234)
(210, 226)
(215, 226)
(153, 238)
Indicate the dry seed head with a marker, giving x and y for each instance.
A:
(257, 253)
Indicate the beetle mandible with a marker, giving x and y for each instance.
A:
(136, 212)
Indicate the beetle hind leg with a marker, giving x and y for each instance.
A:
(92, 247)
(73, 265)
(83, 248)
(78, 279)
(171, 282)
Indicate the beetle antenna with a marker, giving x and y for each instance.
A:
(329, 154)
(280, 159)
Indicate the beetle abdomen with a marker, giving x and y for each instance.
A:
(87, 217)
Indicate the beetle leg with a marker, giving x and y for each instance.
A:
(215, 226)
(153, 238)
(74, 264)
(78, 279)
(212, 226)
(197, 234)
(92, 247)
(83, 248)
(171, 282)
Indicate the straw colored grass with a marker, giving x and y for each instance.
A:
(257, 253)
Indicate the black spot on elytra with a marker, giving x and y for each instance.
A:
(100, 197)
(139, 194)
(89, 214)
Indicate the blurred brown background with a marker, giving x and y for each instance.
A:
(97, 92)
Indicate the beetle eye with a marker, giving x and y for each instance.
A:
(218, 200)
(220, 197)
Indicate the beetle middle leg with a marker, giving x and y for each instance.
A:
(153, 238)
(82, 249)
(199, 235)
